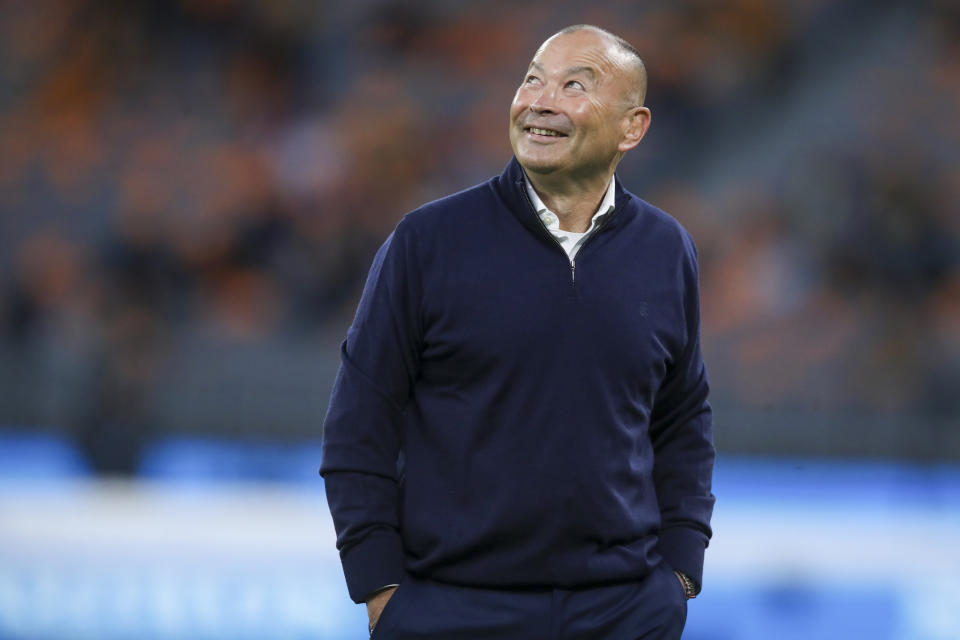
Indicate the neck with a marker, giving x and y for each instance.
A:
(574, 201)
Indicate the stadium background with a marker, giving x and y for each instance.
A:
(191, 192)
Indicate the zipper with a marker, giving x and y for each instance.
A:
(586, 239)
(535, 215)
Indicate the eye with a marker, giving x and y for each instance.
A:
(531, 79)
(574, 84)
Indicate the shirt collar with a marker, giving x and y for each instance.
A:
(552, 221)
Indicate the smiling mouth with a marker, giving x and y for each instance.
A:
(545, 132)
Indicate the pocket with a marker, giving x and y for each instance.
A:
(678, 585)
(679, 590)
(386, 616)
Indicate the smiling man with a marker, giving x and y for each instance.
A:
(518, 443)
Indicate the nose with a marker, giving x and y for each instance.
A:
(543, 101)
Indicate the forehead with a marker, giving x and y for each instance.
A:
(580, 49)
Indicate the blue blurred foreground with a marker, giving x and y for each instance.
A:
(232, 540)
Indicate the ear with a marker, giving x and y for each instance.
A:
(637, 121)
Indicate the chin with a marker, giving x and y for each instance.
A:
(535, 163)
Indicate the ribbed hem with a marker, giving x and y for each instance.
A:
(372, 564)
(683, 550)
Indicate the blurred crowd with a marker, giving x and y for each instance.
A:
(181, 171)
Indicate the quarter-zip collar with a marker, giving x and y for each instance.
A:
(510, 186)
(552, 220)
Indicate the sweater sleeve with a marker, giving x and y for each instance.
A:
(362, 430)
(681, 431)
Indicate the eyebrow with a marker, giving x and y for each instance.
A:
(589, 71)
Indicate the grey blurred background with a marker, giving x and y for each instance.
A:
(191, 192)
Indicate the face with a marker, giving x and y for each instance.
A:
(573, 113)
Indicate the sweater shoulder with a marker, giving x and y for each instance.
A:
(652, 220)
(456, 208)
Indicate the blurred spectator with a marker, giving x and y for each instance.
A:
(222, 172)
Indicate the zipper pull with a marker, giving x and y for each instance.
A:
(573, 271)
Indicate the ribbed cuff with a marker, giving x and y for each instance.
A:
(375, 562)
(683, 550)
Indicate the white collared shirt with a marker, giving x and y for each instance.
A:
(570, 240)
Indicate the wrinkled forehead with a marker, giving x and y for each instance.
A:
(579, 49)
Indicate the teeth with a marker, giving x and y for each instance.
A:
(543, 132)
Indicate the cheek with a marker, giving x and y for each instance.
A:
(583, 115)
(519, 104)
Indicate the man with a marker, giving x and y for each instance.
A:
(519, 434)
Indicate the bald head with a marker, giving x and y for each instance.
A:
(636, 88)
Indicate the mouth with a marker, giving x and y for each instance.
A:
(542, 132)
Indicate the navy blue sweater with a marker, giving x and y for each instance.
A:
(501, 418)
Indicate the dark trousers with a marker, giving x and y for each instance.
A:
(654, 608)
